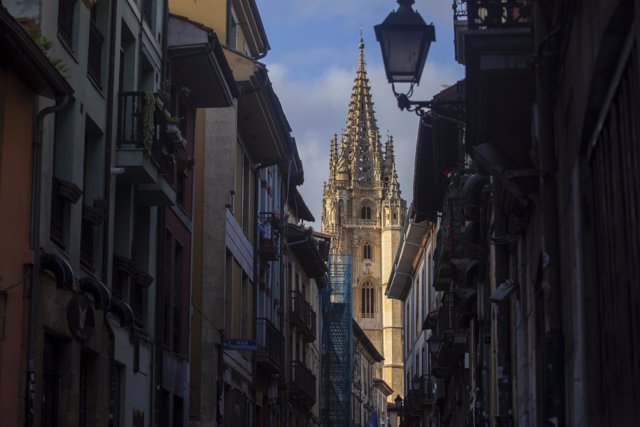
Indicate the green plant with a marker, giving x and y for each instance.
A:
(174, 120)
(149, 126)
(45, 45)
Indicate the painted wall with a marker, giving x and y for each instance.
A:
(210, 13)
(16, 112)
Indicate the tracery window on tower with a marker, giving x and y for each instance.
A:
(366, 251)
(368, 300)
(365, 212)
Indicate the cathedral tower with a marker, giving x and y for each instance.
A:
(364, 213)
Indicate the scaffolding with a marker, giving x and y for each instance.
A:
(337, 344)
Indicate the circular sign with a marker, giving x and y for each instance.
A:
(80, 318)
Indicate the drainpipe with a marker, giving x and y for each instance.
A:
(36, 189)
(553, 376)
(108, 146)
(108, 142)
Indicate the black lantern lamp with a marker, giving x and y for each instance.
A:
(405, 39)
(398, 402)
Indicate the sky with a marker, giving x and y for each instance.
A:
(312, 65)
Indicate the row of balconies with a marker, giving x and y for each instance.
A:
(269, 354)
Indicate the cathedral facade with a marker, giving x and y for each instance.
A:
(364, 213)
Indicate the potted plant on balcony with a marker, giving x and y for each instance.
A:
(149, 121)
(173, 130)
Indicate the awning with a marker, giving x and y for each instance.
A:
(199, 61)
(262, 123)
(307, 250)
(437, 152)
(409, 249)
(298, 205)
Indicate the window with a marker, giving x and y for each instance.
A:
(367, 251)
(147, 12)
(418, 299)
(232, 30)
(178, 264)
(365, 212)
(66, 12)
(96, 41)
(368, 300)
(51, 382)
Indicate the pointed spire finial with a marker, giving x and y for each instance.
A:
(361, 47)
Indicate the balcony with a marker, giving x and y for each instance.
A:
(423, 396)
(303, 317)
(146, 151)
(270, 226)
(269, 346)
(493, 14)
(360, 223)
(450, 246)
(495, 41)
(303, 384)
(448, 343)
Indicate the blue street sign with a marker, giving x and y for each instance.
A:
(242, 345)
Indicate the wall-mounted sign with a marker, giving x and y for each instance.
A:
(240, 345)
(80, 318)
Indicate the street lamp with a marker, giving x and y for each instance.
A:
(405, 39)
(398, 401)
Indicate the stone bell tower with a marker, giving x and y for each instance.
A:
(364, 213)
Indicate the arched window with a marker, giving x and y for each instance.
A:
(365, 212)
(366, 251)
(368, 300)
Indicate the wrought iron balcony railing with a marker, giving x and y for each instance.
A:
(269, 344)
(303, 384)
(424, 397)
(303, 316)
(143, 124)
(493, 14)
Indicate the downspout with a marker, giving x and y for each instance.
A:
(107, 188)
(36, 187)
(156, 368)
(109, 143)
(553, 345)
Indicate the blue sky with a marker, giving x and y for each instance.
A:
(312, 64)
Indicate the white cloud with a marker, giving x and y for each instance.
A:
(317, 108)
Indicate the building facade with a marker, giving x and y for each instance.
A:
(363, 212)
(148, 276)
(533, 256)
(369, 392)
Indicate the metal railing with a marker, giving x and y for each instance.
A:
(303, 316)
(269, 343)
(303, 383)
(493, 14)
